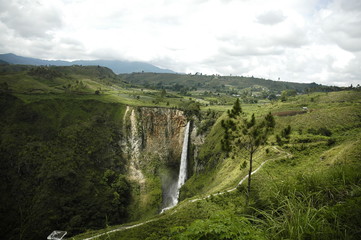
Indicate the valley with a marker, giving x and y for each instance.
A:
(95, 153)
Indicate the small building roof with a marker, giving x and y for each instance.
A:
(56, 235)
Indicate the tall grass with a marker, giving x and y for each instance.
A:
(296, 217)
(315, 206)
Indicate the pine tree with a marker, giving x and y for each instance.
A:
(251, 137)
(236, 110)
(249, 134)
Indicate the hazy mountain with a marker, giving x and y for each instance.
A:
(2, 62)
(115, 65)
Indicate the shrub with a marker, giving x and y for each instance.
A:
(331, 142)
(221, 225)
(324, 131)
(321, 131)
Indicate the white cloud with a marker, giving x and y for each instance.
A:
(271, 17)
(30, 19)
(297, 40)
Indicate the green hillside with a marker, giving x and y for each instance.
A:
(81, 82)
(309, 188)
(59, 162)
(62, 167)
(218, 83)
(52, 80)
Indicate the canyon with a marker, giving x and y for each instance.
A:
(152, 143)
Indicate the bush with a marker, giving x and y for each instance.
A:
(331, 142)
(315, 206)
(321, 131)
(296, 217)
(221, 225)
(324, 131)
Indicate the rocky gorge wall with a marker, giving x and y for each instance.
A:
(152, 144)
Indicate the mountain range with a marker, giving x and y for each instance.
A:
(115, 65)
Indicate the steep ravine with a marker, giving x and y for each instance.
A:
(152, 144)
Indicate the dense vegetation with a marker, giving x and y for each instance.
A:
(309, 188)
(236, 85)
(62, 167)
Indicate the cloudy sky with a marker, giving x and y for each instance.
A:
(294, 40)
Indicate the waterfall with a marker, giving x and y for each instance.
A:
(183, 166)
(174, 191)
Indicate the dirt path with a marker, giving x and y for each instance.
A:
(288, 155)
(245, 177)
(120, 229)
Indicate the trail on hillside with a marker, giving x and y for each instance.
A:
(122, 228)
(288, 155)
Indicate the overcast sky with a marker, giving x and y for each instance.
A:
(294, 40)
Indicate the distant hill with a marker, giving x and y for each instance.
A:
(227, 84)
(2, 62)
(115, 65)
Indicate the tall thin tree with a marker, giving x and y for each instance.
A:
(249, 134)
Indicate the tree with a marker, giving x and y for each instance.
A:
(288, 93)
(4, 87)
(249, 134)
(163, 93)
(284, 96)
(236, 110)
(286, 132)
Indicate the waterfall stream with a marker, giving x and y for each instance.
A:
(174, 191)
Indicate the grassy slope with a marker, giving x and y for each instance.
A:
(78, 82)
(320, 184)
(209, 82)
(337, 111)
(55, 134)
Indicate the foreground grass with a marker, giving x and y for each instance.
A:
(315, 194)
(293, 204)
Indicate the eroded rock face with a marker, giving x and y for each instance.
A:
(154, 138)
(152, 144)
(163, 131)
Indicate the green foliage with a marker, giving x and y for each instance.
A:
(61, 167)
(242, 133)
(288, 93)
(307, 190)
(279, 140)
(243, 165)
(4, 87)
(208, 120)
(297, 217)
(221, 225)
(45, 72)
(236, 110)
(163, 93)
(182, 82)
(313, 207)
(190, 108)
(284, 137)
(286, 132)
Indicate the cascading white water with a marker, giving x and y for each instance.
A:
(174, 191)
(183, 166)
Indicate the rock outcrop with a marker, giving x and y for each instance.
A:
(152, 133)
(152, 144)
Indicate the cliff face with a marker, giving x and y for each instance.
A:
(152, 133)
(162, 133)
(152, 144)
